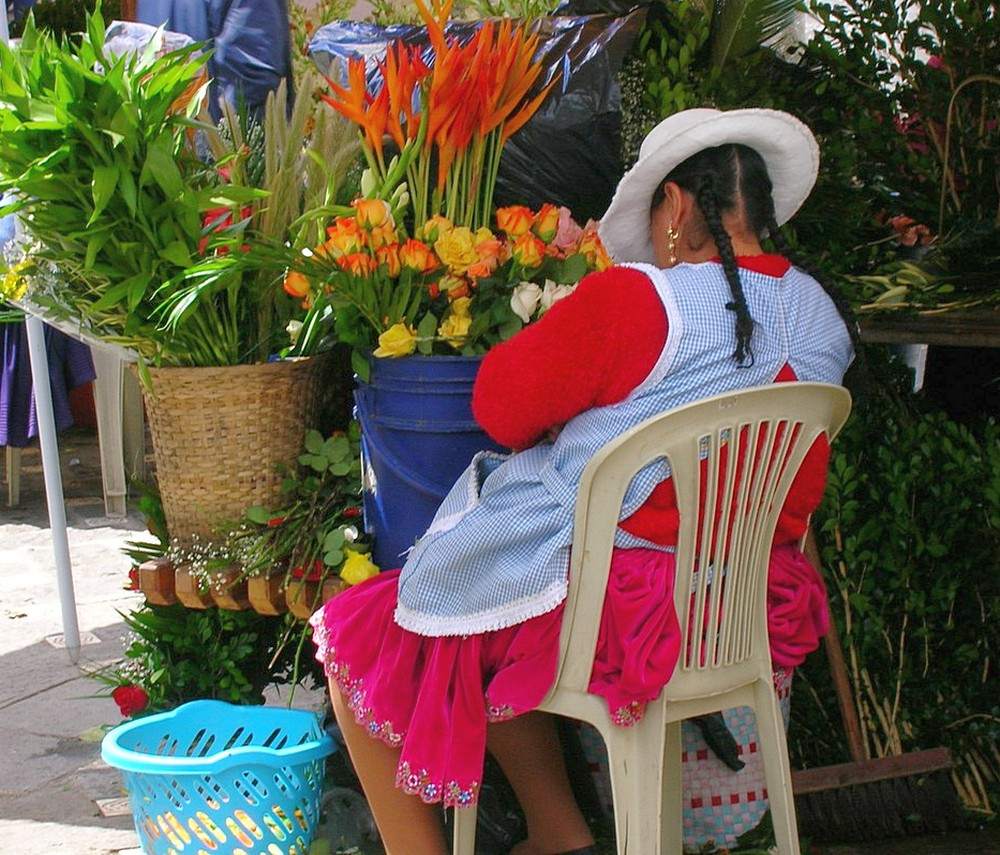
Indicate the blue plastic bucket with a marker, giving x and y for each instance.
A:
(211, 777)
(417, 436)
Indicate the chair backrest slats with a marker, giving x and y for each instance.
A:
(733, 459)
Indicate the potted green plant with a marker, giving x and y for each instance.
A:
(125, 193)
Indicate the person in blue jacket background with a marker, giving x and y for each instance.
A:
(251, 45)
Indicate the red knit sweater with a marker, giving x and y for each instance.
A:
(591, 350)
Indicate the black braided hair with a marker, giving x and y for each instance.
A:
(723, 180)
(708, 202)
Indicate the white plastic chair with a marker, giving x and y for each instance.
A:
(731, 509)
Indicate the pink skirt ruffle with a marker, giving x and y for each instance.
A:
(433, 697)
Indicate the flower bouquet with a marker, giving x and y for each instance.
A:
(423, 263)
(446, 289)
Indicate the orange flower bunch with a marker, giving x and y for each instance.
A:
(448, 288)
(452, 116)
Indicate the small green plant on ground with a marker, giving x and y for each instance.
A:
(174, 654)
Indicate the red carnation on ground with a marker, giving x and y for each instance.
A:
(130, 699)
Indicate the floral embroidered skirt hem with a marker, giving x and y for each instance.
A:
(433, 698)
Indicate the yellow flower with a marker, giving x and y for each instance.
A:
(528, 250)
(460, 307)
(546, 222)
(14, 284)
(455, 327)
(457, 249)
(358, 567)
(436, 225)
(398, 340)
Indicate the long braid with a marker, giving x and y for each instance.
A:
(708, 202)
(843, 307)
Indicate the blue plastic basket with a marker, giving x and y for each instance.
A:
(211, 778)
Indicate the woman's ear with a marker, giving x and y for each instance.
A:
(679, 204)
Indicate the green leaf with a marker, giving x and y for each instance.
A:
(314, 442)
(333, 540)
(258, 514)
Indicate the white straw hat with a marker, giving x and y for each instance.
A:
(787, 146)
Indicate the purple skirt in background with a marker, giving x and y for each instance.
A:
(70, 365)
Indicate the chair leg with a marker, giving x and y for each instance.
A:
(108, 398)
(637, 783)
(464, 837)
(672, 825)
(13, 475)
(777, 771)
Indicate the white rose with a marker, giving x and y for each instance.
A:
(524, 300)
(553, 293)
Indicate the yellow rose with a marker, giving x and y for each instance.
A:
(546, 222)
(460, 307)
(398, 340)
(435, 226)
(455, 328)
(358, 567)
(457, 249)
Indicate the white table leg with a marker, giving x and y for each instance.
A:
(53, 483)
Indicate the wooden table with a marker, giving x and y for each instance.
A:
(971, 328)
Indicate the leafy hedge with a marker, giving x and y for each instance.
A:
(909, 532)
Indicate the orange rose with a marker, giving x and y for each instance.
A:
(515, 220)
(372, 213)
(454, 286)
(491, 251)
(358, 263)
(388, 256)
(296, 284)
(344, 237)
(594, 251)
(528, 250)
(416, 255)
(546, 222)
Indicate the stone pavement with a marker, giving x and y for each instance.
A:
(54, 783)
(56, 795)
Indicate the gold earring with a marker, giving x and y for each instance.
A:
(672, 237)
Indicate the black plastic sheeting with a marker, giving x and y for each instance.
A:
(569, 152)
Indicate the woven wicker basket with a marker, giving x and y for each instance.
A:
(220, 436)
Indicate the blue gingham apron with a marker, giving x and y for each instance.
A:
(497, 551)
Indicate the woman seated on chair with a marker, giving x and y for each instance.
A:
(429, 664)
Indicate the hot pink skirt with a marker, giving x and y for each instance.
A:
(433, 697)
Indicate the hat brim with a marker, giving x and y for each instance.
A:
(787, 146)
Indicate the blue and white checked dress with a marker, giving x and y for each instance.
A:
(497, 551)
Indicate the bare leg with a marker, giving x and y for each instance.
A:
(528, 750)
(407, 825)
